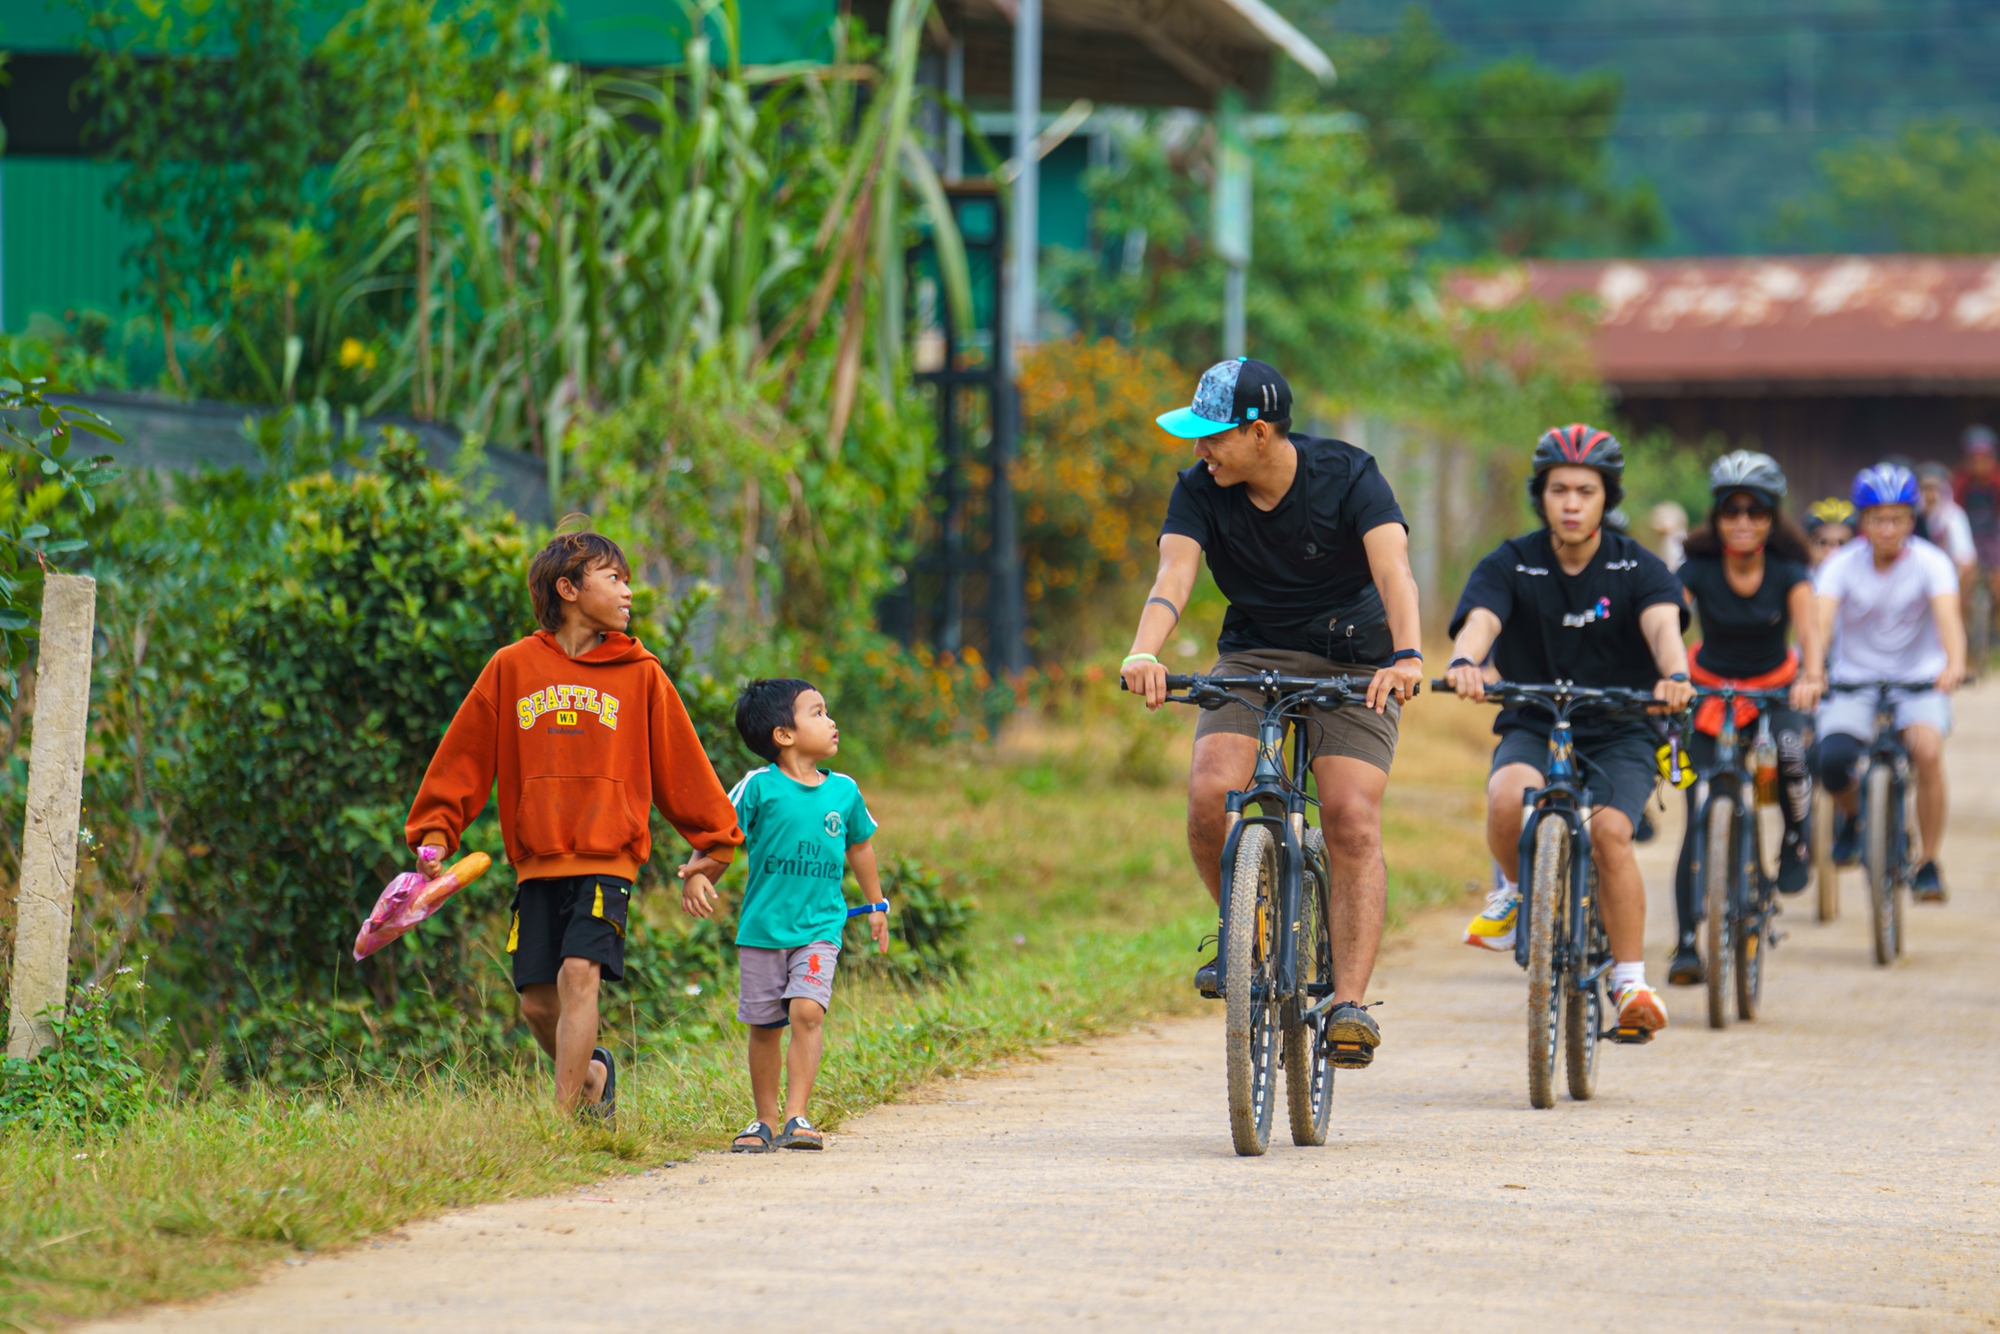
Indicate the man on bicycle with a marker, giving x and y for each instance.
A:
(1890, 607)
(1305, 539)
(1575, 602)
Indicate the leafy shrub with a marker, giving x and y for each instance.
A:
(928, 928)
(88, 1080)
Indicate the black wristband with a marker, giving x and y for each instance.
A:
(1405, 654)
(1460, 662)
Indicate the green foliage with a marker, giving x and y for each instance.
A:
(215, 148)
(89, 1079)
(927, 928)
(1932, 188)
(46, 498)
(72, 354)
(1509, 157)
(331, 681)
(1324, 222)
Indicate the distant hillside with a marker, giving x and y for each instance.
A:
(1728, 103)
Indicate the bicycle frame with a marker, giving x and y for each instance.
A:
(1728, 779)
(1281, 806)
(1564, 796)
(1887, 748)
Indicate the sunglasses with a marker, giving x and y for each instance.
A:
(1739, 511)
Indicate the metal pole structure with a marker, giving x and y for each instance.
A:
(1006, 602)
(1230, 225)
(1027, 180)
(954, 133)
(55, 808)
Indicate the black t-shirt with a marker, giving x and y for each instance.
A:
(1742, 636)
(1582, 628)
(1296, 578)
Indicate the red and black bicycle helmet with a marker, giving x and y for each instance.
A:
(1581, 446)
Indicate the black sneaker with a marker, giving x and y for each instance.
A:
(1792, 869)
(1846, 839)
(1644, 833)
(1350, 1038)
(1686, 970)
(1207, 981)
(1927, 885)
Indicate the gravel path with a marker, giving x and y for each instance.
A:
(1833, 1165)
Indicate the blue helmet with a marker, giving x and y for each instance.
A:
(1885, 484)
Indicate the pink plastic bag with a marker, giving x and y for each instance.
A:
(409, 899)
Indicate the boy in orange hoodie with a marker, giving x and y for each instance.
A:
(584, 733)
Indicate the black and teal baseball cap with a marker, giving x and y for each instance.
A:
(1231, 393)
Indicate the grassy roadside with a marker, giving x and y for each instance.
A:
(1090, 917)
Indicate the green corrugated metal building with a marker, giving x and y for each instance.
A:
(61, 242)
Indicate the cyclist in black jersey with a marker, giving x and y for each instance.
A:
(1749, 572)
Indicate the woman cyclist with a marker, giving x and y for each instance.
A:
(1830, 526)
(1749, 572)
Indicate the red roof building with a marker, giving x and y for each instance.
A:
(1827, 362)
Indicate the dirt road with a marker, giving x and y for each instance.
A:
(1834, 1165)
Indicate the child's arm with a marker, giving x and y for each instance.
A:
(685, 787)
(861, 861)
(459, 781)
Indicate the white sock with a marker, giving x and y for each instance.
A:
(1624, 974)
(1513, 890)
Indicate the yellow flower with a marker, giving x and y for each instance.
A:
(352, 353)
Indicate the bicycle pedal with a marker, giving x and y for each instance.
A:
(1637, 1036)
(1347, 1055)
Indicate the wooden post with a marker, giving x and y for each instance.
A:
(55, 807)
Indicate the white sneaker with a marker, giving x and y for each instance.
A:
(1493, 929)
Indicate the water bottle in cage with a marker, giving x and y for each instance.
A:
(1764, 763)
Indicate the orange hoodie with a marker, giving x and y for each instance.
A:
(581, 747)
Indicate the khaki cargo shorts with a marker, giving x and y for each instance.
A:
(1351, 730)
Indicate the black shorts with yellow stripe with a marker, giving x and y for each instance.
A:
(569, 917)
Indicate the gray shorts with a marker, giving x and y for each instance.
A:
(1852, 712)
(1620, 772)
(770, 980)
(1351, 730)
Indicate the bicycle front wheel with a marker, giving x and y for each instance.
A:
(1308, 1073)
(1548, 905)
(1753, 931)
(1583, 1008)
(1250, 984)
(1826, 876)
(1883, 908)
(1718, 871)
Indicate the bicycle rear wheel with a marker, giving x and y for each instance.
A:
(1250, 1026)
(1826, 875)
(1308, 1074)
(1548, 906)
(1583, 1009)
(1718, 872)
(1883, 907)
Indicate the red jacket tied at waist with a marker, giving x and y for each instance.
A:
(1708, 717)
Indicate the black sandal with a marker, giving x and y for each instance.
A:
(756, 1131)
(799, 1133)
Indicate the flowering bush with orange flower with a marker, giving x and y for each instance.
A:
(1092, 485)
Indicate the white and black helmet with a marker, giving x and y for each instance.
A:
(1747, 470)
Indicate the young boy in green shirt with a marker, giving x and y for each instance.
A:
(804, 828)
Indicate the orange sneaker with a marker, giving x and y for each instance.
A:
(1640, 1007)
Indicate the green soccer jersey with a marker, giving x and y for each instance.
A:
(796, 842)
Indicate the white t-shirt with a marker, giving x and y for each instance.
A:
(1951, 530)
(1884, 630)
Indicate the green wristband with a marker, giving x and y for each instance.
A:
(1140, 657)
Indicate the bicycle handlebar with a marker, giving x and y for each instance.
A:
(1266, 681)
(1623, 697)
(1881, 685)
